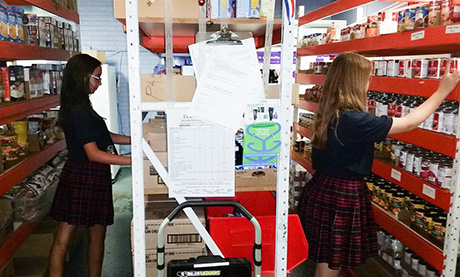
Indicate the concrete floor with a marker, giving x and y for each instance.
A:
(118, 259)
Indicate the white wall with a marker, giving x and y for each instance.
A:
(100, 31)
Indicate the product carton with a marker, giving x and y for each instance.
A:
(153, 88)
(179, 234)
(153, 181)
(273, 92)
(181, 9)
(248, 179)
(155, 134)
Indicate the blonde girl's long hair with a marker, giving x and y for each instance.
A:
(344, 89)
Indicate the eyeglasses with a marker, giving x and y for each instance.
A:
(97, 78)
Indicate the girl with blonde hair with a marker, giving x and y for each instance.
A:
(335, 209)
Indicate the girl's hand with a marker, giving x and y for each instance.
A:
(449, 80)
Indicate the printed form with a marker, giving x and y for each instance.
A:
(201, 140)
(201, 157)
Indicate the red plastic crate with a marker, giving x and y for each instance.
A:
(256, 202)
(235, 238)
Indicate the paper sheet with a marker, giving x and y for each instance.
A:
(228, 80)
(201, 157)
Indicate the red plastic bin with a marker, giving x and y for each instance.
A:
(235, 238)
(256, 202)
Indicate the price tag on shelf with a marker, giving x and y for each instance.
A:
(417, 35)
(429, 191)
(396, 175)
(452, 29)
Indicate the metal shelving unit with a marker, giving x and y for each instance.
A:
(136, 27)
(11, 111)
(434, 40)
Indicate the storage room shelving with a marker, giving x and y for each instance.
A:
(11, 111)
(150, 28)
(434, 40)
(151, 25)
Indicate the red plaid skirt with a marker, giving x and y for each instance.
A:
(84, 194)
(338, 221)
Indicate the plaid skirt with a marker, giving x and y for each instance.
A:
(84, 194)
(338, 221)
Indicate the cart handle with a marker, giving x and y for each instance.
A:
(257, 251)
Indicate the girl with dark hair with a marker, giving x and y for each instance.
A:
(335, 209)
(84, 192)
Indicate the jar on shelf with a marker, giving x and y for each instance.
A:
(422, 265)
(434, 14)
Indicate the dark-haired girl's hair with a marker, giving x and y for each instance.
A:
(75, 85)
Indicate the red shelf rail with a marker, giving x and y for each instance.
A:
(16, 239)
(425, 249)
(12, 111)
(302, 161)
(50, 6)
(435, 40)
(18, 51)
(306, 132)
(307, 105)
(407, 86)
(437, 142)
(18, 172)
(429, 192)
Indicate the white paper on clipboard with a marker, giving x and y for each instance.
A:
(228, 80)
(201, 157)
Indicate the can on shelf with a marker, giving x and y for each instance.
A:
(439, 227)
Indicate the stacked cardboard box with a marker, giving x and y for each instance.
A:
(155, 135)
(182, 240)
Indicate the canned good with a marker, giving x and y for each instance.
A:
(397, 203)
(396, 148)
(422, 268)
(8, 141)
(418, 215)
(434, 68)
(444, 176)
(425, 166)
(430, 271)
(414, 262)
(408, 256)
(433, 173)
(12, 153)
(439, 228)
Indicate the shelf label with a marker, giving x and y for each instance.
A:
(452, 29)
(417, 35)
(429, 191)
(396, 175)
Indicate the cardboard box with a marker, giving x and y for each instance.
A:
(6, 219)
(181, 9)
(153, 88)
(155, 134)
(179, 234)
(170, 254)
(273, 92)
(155, 125)
(256, 177)
(153, 181)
